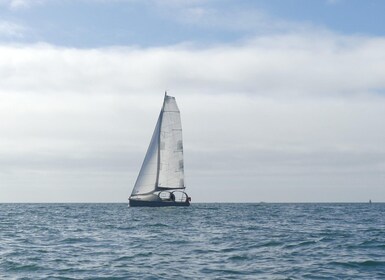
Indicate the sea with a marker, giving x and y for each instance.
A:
(203, 241)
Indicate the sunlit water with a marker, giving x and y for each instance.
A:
(204, 241)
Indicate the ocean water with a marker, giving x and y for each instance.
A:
(204, 241)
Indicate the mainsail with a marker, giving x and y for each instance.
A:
(162, 168)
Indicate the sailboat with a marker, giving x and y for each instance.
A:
(161, 178)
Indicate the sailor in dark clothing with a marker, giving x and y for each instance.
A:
(172, 196)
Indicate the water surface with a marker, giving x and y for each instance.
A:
(204, 241)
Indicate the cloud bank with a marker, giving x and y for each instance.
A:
(285, 65)
(294, 117)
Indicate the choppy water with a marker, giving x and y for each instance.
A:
(204, 241)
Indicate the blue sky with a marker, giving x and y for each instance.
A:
(281, 101)
(87, 23)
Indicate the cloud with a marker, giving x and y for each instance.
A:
(229, 18)
(276, 118)
(334, 2)
(288, 65)
(21, 4)
(11, 30)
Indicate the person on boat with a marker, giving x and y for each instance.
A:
(172, 197)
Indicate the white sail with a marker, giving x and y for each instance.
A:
(171, 170)
(146, 181)
(162, 167)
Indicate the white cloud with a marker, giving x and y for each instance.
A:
(334, 2)
(278, 118)
(288, 65)
(223, 18)
(21, 4)
(10, 29)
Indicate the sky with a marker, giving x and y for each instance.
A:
(281, 101)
